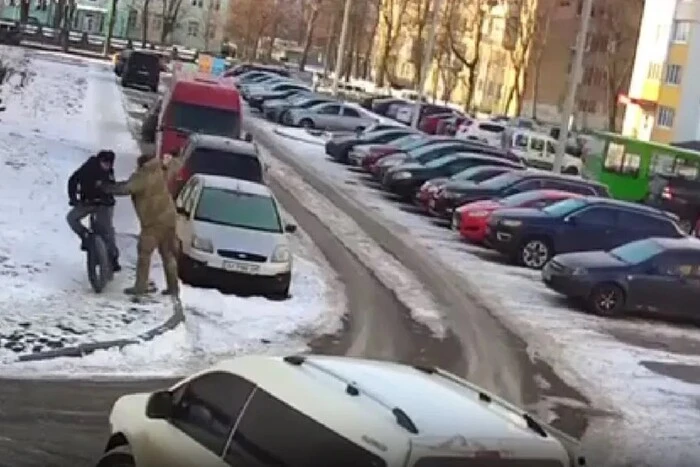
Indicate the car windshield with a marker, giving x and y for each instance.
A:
(565, 207)
(521, 198)
(425, 150)
(236, 209)
(637, 252)
(475, 173)
(502, 181)
(205, 120)
(440, 161)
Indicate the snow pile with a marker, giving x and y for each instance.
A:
(55, 120)
(659, 422)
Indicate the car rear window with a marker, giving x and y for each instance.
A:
(485, 461)
(238, 209)
(227, 164)
(138, 58)
(205, 120)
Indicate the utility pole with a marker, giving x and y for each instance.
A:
(574, 79)
(427, 62)
(340, 56)
(110, 27)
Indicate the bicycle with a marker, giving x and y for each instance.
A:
(99, 263)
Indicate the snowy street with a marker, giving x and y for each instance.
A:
(61, 110)
(642, 378)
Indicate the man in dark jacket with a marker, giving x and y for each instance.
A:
(87, 196)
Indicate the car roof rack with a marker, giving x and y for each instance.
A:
(352, 389)
(532, 424)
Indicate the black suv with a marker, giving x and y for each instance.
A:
(216, 155)
(678, 195)
(532, 236)
(457, 193)
(142, 69)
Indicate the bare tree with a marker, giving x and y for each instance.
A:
(372, 16)
(274, 27)
(538, 47)
(620, 29)
(312, 12)
(171, 10)
(212, 9)
(144, 22)
(418, 25)
(448, 72)
(521, 26)
(467, 22)
(391, 14)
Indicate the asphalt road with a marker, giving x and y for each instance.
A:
(64, 423)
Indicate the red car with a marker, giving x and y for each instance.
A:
(429, 124)
(471, 219)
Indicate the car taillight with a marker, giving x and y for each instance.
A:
(667, 193)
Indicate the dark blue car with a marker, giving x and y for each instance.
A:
(531, 237)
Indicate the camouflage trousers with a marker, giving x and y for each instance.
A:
(164, 240)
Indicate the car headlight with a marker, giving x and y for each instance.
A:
(511, 223)
(202, 244)
(281, 255)
(402, 175)
(478, 213)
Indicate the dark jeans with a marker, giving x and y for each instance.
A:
(103, 222)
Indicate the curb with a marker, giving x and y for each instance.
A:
(82, 350)
(297, 138)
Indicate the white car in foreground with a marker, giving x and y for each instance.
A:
(230, 232)
(482, 131)
(303, 411)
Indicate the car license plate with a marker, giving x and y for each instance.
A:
(245, 268)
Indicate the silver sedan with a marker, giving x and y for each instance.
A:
(331, 116)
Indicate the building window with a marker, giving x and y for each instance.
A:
(193, 29)
(665, 117)
(673, 74)
(654, 71)
(681, 31)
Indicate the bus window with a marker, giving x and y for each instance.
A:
(618, 162)
(631, 164)
(686, 169)
(662, 164)
(521, 141)
(613, 159)
(537, 145)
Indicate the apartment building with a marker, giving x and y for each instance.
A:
(448, 76)
(609, 54)
(663, 102)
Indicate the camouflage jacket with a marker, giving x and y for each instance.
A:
(153, 203)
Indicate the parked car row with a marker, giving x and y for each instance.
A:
(588, 245)
(293, 103)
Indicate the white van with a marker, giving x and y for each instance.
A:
(538, 150)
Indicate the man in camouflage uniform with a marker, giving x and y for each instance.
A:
(155, 209)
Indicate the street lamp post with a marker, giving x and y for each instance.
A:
(340, 56)
(575, 77)
(427, 62)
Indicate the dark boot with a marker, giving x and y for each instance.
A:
(116, 267)
(84, 241)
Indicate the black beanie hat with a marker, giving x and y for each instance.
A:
(106, 156)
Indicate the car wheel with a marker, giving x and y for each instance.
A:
(280, 117)
(606, 300)
(571, 170)
(307, 123)
(119, 456)
(184, 269)
(534, 253)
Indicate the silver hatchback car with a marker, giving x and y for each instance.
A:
(330, 116)
(231, 234)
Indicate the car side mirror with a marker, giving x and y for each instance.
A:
(160, 405)
(248, 137)
(290, 228)
(570, 220)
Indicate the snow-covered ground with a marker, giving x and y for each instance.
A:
(60, 110)
(658, 422)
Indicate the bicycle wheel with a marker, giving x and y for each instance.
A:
(99, 266)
